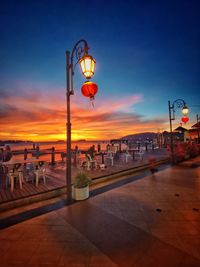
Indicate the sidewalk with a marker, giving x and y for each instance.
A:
(153, 221)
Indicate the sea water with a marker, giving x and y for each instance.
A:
(59, 146)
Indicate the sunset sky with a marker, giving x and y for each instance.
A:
(147, 53)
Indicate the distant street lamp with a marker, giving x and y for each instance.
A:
(87, 64)
(179, 103)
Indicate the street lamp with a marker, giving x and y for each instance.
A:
(87, 64)
(179, 103)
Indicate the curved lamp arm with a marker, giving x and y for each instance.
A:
(80, 49)
(178, 103)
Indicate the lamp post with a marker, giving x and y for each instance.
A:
(179, 103)
(87, 64)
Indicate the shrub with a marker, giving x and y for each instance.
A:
(81, 180)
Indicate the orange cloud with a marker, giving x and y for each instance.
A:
(38, 115)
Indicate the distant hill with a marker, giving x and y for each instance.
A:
(4, 142)
(140, 136)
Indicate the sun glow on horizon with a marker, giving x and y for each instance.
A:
(37, 116)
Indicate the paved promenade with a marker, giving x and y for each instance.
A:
(153, 221)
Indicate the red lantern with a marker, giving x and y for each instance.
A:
(185, 119)
(89, 89)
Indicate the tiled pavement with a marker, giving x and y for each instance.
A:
(153, 221)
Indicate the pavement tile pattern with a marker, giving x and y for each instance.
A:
(153, 221)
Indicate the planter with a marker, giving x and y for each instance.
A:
(80, 193)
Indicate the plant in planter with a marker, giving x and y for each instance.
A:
(81, 186)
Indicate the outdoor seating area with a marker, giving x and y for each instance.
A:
(15, 173)
(20, 179)
(108, 159)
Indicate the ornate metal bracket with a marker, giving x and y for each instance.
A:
(80, 49)
(179, 103)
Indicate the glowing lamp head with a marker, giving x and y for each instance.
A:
(87, 64)
(185, 110)
(185, 119)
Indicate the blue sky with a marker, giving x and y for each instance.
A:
(144, 49)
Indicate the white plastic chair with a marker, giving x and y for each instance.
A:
(110, 158)
(139, 155)
(30, 168)
(40, 174)
(36, 172)
(90, 163)
(127, 156)
(14, 173)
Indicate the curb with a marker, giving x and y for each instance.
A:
(129, 171)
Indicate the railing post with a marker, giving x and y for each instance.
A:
(25, 153)
(53, 156)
